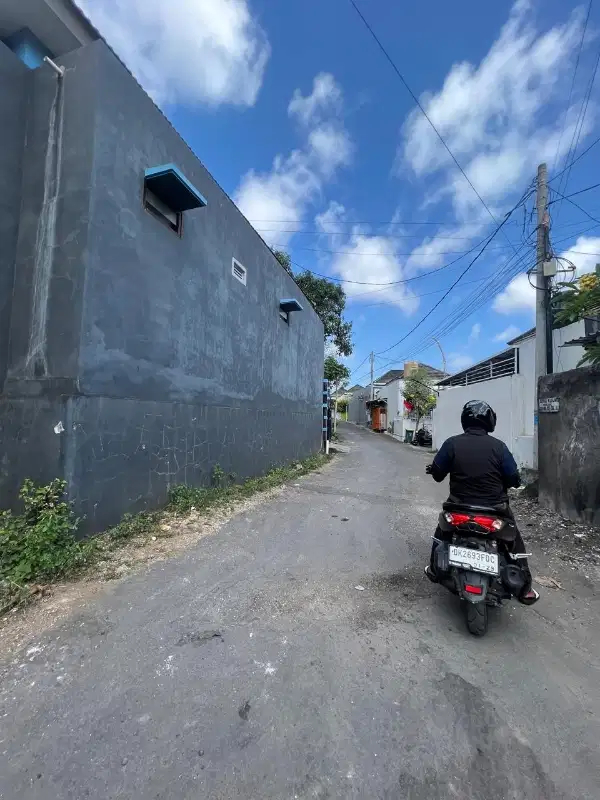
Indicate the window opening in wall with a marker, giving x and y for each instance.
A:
(238, 271)
(163, 212)
(168, 193)
(286, 307)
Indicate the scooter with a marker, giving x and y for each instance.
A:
(422, 438)
(474, 562)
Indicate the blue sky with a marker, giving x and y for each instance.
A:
(298, 115)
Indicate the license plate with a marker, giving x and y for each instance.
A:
(476, 560)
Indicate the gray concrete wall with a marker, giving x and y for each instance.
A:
(13, 96)
(155, 360)
(569, 445)
(357, 410)
(164, 317)
(52, 250)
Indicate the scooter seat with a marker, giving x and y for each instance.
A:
(497, 511)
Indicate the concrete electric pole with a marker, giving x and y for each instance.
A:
(372, 369)
(543, 318)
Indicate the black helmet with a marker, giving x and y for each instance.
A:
(478, 414)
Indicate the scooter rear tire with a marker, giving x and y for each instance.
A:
(476, 616)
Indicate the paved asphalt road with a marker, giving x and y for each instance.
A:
(252, 667)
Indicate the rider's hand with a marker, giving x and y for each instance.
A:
(428, 468)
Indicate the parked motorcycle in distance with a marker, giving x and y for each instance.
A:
(422, 438)
(475, 563)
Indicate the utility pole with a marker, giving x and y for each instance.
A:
(543, 315)
(372, 370)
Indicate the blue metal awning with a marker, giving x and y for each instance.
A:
(290, 304)
(171, 186)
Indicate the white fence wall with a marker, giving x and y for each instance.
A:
(512, 398)
(503, 394)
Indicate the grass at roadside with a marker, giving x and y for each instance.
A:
(39, 546)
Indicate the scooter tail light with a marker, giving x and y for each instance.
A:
(489, 523)
(456, 519)
(473, 589)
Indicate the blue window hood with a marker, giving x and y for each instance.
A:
(290, 305)
(171, 186)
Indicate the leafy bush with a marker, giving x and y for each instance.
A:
(132, 525)
(39, 545)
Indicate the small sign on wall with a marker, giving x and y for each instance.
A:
(549, 405)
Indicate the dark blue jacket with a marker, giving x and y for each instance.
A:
(481, 468)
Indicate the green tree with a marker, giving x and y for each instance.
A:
(578, 301)
(329, 301)
(419, 394)
(285, 260)
(338, 376)
(336, 373)
(343, 405)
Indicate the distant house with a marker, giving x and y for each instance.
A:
(357, 410)
(346, 394)
(390, 388)
(390, 375)
(506, 380)
(433, 373)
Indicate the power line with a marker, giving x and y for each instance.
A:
(581, 155)
(473, 303)
(579, 233)
(425, 114)
(365, 235)
(426, 294)
(368, 283)
(467, 268)
(572, 87)
(373, 222)
(392, 283)
(359, 366)
(412, 253)
(470, 309)
(579, 123)
(384, 286)
(574, 194)
(573, 203)
(387, 224)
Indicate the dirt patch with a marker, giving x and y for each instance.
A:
(558, 542)
(410, 585)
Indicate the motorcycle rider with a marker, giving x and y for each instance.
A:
(481, 469)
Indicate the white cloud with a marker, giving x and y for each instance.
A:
(434, 251)
(326, 98)
(284, 194)
(367, 259)
(583, 254)
(189, 52)
(331, 146)
(475, 332)
(493, 116)
(459, 361)
(519, 295)
(507, 334)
